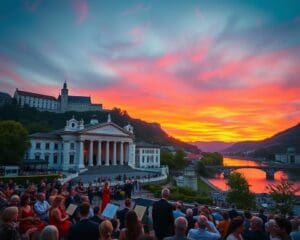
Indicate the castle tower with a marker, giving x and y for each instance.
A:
(64, 98)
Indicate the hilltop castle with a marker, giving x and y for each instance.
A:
(63, 103)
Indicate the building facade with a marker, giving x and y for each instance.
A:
(147, 155)
(79, 146)
(63, 103)
(289, 157)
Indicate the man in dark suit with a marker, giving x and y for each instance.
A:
(96, 218)
(85, 228)
(121, 214)
(162, 215)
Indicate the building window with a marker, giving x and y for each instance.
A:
(47, 146)
(37, 157)
(38, 146)
(71, 159)
(72, 146)
(55, 146)
(55, 158)
(47, 158)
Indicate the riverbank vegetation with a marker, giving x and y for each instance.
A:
(239, 193)
(175, 161)
(209, 159)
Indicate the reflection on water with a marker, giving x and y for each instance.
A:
(255, 177)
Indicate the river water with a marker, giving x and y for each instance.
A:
(255, 177)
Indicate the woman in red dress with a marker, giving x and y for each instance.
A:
(27, 217)
(58, 216)
(105, 196)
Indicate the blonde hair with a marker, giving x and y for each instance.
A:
(105, 229)
(58, 200)
(50, 232)
(9, 213)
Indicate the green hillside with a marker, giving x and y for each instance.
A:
(36, 121)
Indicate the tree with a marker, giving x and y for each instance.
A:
(283, 194)
(14, 142)
(166, 158)
(239, 192)
(212, 159)
(179, 161)
(201, 170)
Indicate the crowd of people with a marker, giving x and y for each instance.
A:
(41, 211)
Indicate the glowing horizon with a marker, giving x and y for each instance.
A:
(205, 72)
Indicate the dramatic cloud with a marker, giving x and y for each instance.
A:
(204, 72)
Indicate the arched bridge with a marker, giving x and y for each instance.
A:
(270, 170)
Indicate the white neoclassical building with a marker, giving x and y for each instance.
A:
(147, 155)
(79, 146)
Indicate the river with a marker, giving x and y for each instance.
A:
(255, 177)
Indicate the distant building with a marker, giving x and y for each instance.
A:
(63, 103)
(289, 157)
(5, 98)
(79, 146)
(147, 155)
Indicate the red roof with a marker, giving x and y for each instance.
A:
(31, 94)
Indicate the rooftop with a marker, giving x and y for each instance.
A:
(37, 95)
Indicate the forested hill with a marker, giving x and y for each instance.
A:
(36, 121)
(275, 144)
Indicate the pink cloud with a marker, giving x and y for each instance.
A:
(81, 9)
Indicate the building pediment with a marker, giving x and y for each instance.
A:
(107, 129)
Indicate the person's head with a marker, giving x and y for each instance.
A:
(72, 192)
(225, 215)
(25, 200)
(180, 226)
(256, 223)
(189, 212)
(41, 196)
(261, 211)
(58, 201)
(295, 224)
(128, 202)
(132, 225)
(50, 232)
(204, 211)
(284, 225)
(14, 200)
(165, 193)
(202, 221)
(84, 210)
(247, 214)
(114, 223)
(105, 230)
(54, 192)
(236, 226)
(10, 214)
(178, 205)
(85, 199)
(96, 211)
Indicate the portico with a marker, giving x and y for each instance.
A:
(80, 146)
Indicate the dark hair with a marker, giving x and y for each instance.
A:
(24, 198)
(247, 214)
(127, 202)
(96, 210)
(84, 209)
(234, 224)
(133, 226)
(225, 215)
(284, 224)
(114, 223)
(261, 211)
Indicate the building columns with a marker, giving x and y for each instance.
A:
(81, 155)
(99, 153)
(122, 154)
(115, 154)
(66, 155)
(107, 154)
(91, 154)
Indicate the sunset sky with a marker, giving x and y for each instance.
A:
(204, 70)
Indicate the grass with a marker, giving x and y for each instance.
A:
(203, 187)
